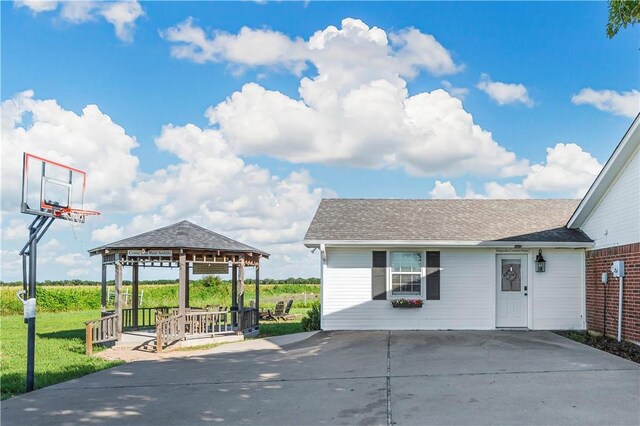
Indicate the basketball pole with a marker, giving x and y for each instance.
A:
(37, 229)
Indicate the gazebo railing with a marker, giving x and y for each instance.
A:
(168, 331)
(249, 319)
(146, 316)
(101, 330)
(211, 323)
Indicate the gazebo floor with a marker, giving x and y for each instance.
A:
(145, 340)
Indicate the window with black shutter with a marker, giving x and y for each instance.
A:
(379, 275)
(433, 275)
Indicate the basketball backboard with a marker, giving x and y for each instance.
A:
(53, 189)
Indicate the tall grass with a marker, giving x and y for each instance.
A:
(81, 298)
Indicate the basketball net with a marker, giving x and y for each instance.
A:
(76, 218)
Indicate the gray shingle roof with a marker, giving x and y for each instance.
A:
(181, 235)
(444, 220)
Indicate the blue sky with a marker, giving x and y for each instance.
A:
(402, 100)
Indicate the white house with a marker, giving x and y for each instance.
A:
(471, 262)
(610, 215)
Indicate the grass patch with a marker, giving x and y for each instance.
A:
(271, 328)
(60, 351)
(626, 350)
(280, 328)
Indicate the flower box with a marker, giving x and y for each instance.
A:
(406, 303)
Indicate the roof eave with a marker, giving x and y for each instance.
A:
(98, 250)
(315, 243)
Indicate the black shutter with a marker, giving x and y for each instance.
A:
(433, 275)
(379, 276)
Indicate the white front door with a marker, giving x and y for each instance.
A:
(512, 291)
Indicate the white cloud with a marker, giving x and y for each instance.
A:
(568, 170)
(456, 92)
(626, 104)
(360, 78)
(17, 229)
(418, 50)
(10, 265)
(90, 141)
(207, 183)
(121, 14)
(73, 259)
(408, 52)
(497, 190)
(446, 190)
(443, 190)
(37, 6)
(505, 93)
(425, 134)
(242, 200)
(248, 48)
(78, 272)
(108, 234)
(51, 245)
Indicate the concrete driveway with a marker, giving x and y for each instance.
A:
(477, 377)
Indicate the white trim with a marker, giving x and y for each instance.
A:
(423, 275)
(446, 243)
(612, 168)
(530, 287)
(323, 273)
(584, 289)
(494, 277)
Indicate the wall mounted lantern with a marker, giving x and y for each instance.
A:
(540, 262)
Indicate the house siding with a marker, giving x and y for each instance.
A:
(558, 294)
(467, 293)
(615, 221)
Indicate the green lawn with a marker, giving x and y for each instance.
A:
(60, 350)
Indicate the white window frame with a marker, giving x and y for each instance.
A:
(390, 273)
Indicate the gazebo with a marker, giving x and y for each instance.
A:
(188, 247)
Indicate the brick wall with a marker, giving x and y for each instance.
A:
(599, 261)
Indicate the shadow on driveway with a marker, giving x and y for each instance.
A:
(460, 377)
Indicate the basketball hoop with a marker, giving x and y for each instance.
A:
(50, 191)
(74, 215)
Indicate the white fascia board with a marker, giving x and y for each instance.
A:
(612, 168)
(445, 243)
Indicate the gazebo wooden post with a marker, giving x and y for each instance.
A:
(182, 306)
(134, 294)
(186, 287)
(234, 295)
(118, 301)
(241, 295)
(257, 306)
(103, 288)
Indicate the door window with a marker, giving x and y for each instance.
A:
(511, 275)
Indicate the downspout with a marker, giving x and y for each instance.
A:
(620, 310)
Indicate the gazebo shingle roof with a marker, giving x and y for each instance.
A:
(181, 235)
(444, 220)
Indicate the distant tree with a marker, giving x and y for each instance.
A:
(621, 14)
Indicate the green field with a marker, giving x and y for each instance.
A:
(87, 297)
